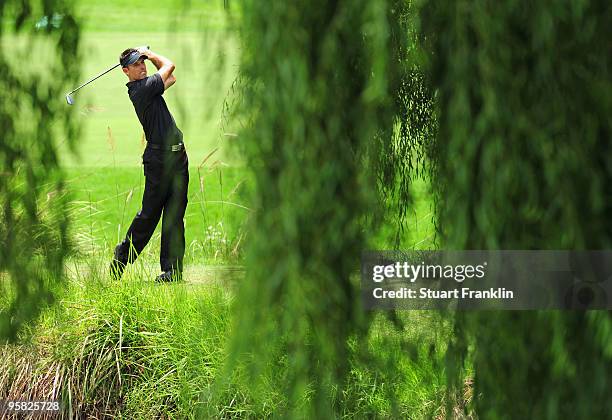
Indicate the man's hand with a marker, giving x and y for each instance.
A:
(164, 66)
(144, 50)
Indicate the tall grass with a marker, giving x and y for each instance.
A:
(129, 347)
(104, 201)
(138, 350)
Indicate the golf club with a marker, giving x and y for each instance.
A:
(70, 99)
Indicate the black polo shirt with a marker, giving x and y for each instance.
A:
(152, 111)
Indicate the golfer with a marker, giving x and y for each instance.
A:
(165, 167)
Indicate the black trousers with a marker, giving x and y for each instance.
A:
(166, 183)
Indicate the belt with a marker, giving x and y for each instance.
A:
(171, 148)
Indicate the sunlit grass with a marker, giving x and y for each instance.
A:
(143, 350)
(105, 200)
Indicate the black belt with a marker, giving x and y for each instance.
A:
(171, 148)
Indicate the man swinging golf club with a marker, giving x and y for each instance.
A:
(165, 168)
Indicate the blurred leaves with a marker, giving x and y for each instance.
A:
(315, 79)
(524, 161)
(33, 120)
(401, 149)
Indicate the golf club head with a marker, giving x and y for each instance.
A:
(69, 99)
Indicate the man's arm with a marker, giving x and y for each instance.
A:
(169, 82)
(164, 66)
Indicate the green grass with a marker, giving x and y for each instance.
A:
(137, 350)
(105, 200)
(136, 15)
(132, 347)
(132, 16)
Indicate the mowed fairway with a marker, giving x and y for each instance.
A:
(106, 176)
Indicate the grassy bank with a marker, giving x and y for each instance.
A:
(143, 351)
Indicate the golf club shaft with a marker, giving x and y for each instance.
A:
(89, 81)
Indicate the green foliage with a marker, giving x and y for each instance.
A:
(523, 162)
(397, 369)
(33, 119)
(316, 79)
(401, 148)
